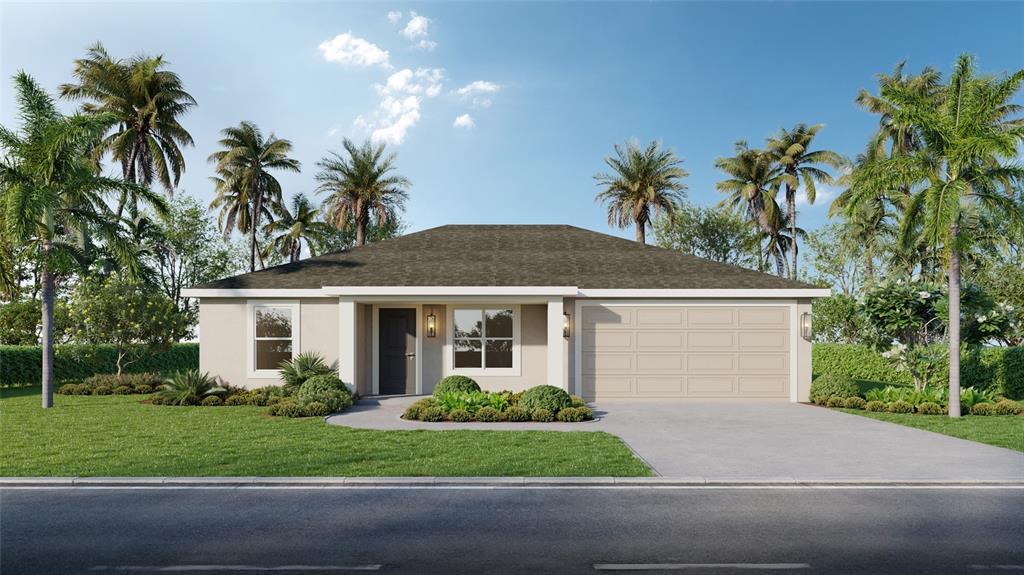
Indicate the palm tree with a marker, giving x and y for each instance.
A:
(300, 224)
(243, 174)
(894, 137)
(965, 165)
(791, 149)
(868, 230)
(147, 101)
(361, 186)
(53, 195)
(643, 184)
(752, 184)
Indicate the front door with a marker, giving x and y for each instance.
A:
(397, 351)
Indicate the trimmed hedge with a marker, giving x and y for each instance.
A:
(22, 364)
(999, 369)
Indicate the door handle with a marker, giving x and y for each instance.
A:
(410, 355)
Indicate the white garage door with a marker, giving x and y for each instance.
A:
(685, 350)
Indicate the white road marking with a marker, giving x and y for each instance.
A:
(246, 568)
(514, 487)
(682, 566)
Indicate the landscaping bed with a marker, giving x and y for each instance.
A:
(459, 399)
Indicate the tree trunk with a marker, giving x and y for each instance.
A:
(791, 206)
(46, 336)
(361, 231)
(954, 324)
(257, 204)
(641, 231)
(780, 262)
(869, 271)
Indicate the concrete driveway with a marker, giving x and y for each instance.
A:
(755, 440)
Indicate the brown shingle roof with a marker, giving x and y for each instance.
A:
(508, 255)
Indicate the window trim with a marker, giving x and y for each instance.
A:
(251, 307)
(449, 348)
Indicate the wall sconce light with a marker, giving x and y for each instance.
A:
(805, 326)
(431, 324)
(565, 325)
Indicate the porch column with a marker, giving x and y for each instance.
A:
(556, 346)
(347, 338)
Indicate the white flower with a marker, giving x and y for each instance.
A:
(924, 294)
(981, 319)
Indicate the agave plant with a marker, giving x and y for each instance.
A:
(189, 388)
(971, 396)
(305, 365)
(470, 401)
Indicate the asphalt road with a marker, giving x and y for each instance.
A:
(700, 530)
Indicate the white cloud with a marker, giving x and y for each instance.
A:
(350, 50)
(464, 121)
(427, 81)
(823, 195)
(400, 105)
(478, 87)
(417, 27)
(394, 16)
(425, 45)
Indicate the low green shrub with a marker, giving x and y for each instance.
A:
(983, 408)
(836, 401)
(546, 397)
(101, 390)
(575, 414)
(900, 407)
(316, 409)
(131, 380)
(875, 406)
(517, 414)
(488, 414)
(304, 366)
(325, 389)
(211, 401)
(930, 408)
(414, 411)
(542, 415)
(971, 396)
(123, 390)
(432, 414)
(237, 399)
(321, 383)
(833, 385)
(23, 363)
(289, 408)
(460, 415)
(854, 403)
(156, 400)
(189, 388)
(143, 389)
(458, 383)
(1008, 407)
(73, 389)
(576, 401)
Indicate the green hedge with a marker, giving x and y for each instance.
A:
(1000, 369)
(21, 364)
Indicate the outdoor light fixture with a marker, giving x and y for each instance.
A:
(565, 325)
(805, 326)
(431, 324)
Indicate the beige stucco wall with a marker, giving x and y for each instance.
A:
(804, 375)
(223, 328)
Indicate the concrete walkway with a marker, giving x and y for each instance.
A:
(756, 441)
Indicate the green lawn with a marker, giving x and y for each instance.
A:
(1003, 431)
(119, 436)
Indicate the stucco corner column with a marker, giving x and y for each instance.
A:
(557, 375)
(347, 341)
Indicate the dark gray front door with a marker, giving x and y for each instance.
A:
(397, 351)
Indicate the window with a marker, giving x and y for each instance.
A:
(484, 339)
(273, 329)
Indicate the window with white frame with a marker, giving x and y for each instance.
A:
(274, 331)
(483, 338)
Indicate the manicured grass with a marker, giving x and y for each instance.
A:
(120, 436)
(1000, 430)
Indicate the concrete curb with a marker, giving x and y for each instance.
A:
(479, 482)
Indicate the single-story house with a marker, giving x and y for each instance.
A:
(514, 306)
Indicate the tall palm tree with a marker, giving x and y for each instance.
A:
(966, 165)
(868, 230)
(643, 184)
(752, 185)
(53, 194)
(894, 137)
(293, 227)
(243, 170)
(361, 185)
(791, 149)
(147, 101)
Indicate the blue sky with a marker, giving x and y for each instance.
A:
(549, 88)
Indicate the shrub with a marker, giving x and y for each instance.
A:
(325, 389)
(576, 401)
(316, 409)
(297, 371)
(23, 364)
(542, 415)
(517, 414)
(930, 408)
(854, 403)
(832, 385)
(143, 389)
(432, 414)
(575, 414)
(460, 415)
(101, 390)
(123, 390)
(271, 400)
(288, 408)
(875, 406)
(836, 401)
(188, 388)
(488, 414)
(69, 389)
(211, 401)
(321, 383)
(547, 397)
(414, 411)
(1008, 407)
(456, 383)
(237, 399)
(470, 401)
(971, 396)
(900, 407)
(984, 408)
(131, 380)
